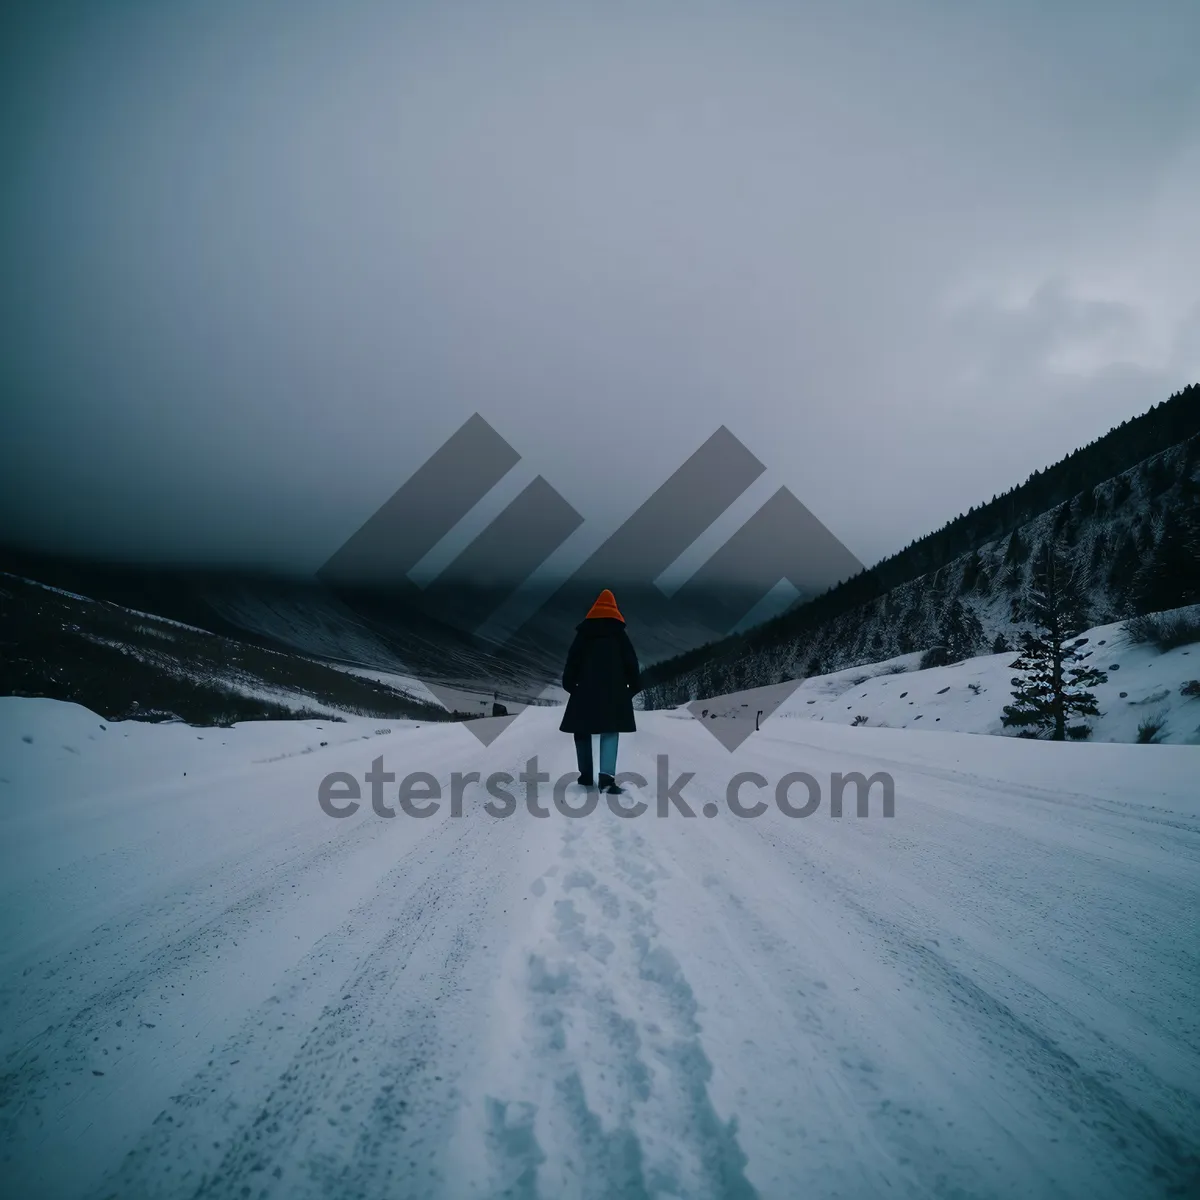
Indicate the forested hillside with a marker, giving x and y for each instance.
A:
(1124, 511)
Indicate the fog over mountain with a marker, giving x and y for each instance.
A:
(261, 262)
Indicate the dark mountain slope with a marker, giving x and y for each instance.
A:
(1124, 509)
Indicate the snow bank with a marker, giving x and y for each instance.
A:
(969, 697)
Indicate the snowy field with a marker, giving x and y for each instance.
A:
(211, 988)
(1143, 684)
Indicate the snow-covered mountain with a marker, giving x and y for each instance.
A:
(1151, 694)
(1132, 536)
(127, 663)
(1124, 512)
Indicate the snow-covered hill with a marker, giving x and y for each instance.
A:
(1146, 687)
(122, 662)
(208, 987)
(1133, 541)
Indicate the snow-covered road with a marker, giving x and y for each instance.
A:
(211, 988)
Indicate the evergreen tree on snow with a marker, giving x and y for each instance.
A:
(1055, 678)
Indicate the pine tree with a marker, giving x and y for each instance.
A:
(959, 635)
(1055, 678)
(1191, 455)
(1121, 490)
(1064, 527)
(971, 569)
(961, 631)
(1144, 533)
(1126, 559)
(1156, 477)
(1170, 577)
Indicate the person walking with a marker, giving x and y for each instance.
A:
(602, 677)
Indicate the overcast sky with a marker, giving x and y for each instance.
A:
(260, 260)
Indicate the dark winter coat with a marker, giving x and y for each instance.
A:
(602, 677)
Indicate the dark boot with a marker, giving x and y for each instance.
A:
(587, 780)
(609, 784)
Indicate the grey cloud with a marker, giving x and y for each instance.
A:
(261, 262)
(1008, 341)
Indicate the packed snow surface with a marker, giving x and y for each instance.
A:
(212, 988)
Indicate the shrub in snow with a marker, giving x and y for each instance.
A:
(1150, 728)
(1165, 630)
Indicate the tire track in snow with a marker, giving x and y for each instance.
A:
(63, 1024)
(120, 1003)
(351, 1095)
(1146, 1157)
(1134, 1153)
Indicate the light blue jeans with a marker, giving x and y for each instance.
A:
(608, 753)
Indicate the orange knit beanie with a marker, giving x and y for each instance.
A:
(606, 606)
